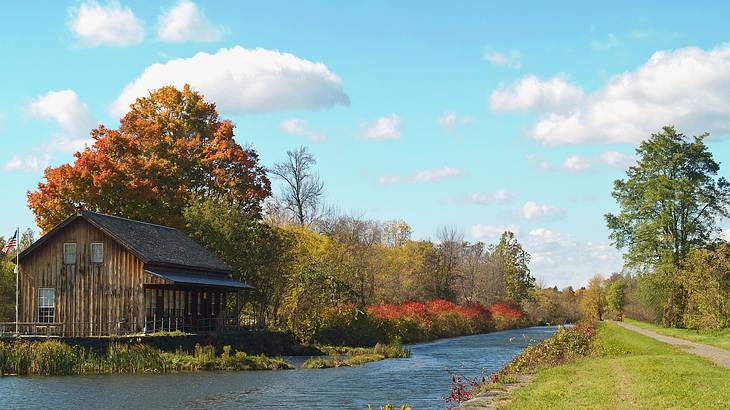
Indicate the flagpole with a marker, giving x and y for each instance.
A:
(17, 274)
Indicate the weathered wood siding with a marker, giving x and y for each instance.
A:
(102, 294)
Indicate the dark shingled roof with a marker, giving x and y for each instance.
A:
(154, 244)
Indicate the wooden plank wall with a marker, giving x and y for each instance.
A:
(102, 294)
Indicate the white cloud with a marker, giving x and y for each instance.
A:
(687, 87)
(575, 164)
(616, 159)
(511, 59)
(426, 175)
(383, 128)
(487, 232)
(611, 42)
(295, 126)
(240, 80)
(111, 24)
(28, 163)
(554, 94)
(66, 108)
(185, 22)
(485, 198)
(561, 261)
(74, 120)
(533, 210)
(449, 119)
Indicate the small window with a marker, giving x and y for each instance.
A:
(46, 305)
(97, 252)
(69, 253)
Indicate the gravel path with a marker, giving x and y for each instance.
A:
(719, 356)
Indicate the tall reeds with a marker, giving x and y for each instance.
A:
(57, 358)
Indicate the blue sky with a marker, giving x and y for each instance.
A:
(468, 114)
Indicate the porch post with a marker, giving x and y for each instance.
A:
(238, 308)
(224, 307)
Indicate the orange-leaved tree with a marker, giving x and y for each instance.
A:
(169, 148)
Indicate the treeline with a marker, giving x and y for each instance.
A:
(311, 277)
(174, 161)
(671, 204)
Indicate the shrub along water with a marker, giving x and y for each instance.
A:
(57, 358)
(567, 344)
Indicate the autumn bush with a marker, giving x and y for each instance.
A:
(417, 321)
(565, 345)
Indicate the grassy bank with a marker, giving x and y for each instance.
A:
(338, 356)
(627, 370)
(718, 338)
(57, 358)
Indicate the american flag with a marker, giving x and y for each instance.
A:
(11, 243)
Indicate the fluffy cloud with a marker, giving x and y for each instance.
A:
(687, 87)
(511, 59)
(616, 159)
(66, 108)
(296, 126)
(383, 128)
(74, 120)
(725, 235)
(449, 119)
(111, 24)
(554, 94)
(240, 80)
(488, 232)
(575, 164)
(485, 198)
(27, 163)
(533, 210)
(185, 22)
(426, 175)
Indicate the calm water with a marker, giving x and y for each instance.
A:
(420, 380)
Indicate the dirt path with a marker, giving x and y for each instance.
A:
(719, 356)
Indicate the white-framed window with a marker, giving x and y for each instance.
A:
(97, 252)
(69, 253)
(46, 305)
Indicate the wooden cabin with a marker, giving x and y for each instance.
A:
(96, 275)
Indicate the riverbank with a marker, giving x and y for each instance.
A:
(627, 368)
(52, 357)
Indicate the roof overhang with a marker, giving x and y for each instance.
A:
(198, 279)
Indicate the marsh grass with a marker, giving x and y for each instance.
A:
(342, 356)
(57, 358)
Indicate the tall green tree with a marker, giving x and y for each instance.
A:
(668, 205)
(259, 253)
(514, 261)
(615, 296)
(7, 276)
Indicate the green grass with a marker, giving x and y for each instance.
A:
(718, 338)
(627, 371)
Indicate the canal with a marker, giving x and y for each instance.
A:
(421, 381)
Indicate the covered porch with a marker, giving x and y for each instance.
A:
(192, 302)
